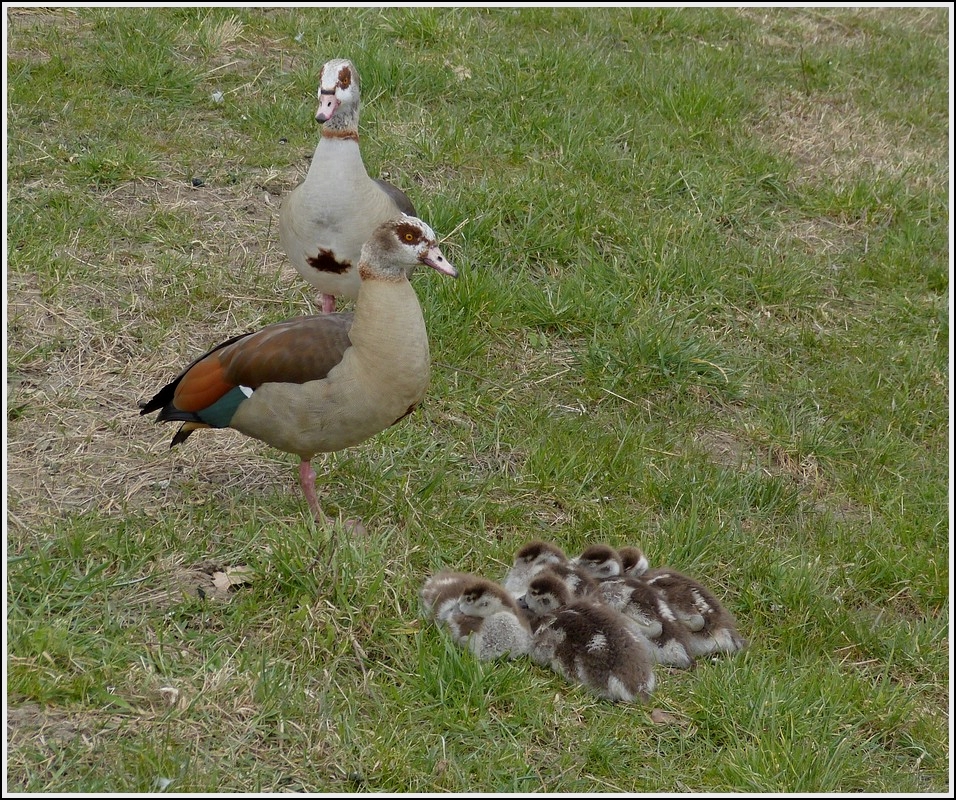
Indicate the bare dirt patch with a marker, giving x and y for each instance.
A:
(825, 133)
(31, 721)
(79, 364)
(831, 139)
(732, 452)
(34, 25)
(791, 27)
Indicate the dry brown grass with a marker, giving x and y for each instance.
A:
(78, 443)
(830, 139)
(826, 134)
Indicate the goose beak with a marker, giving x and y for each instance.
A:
(522, 602)
(328, 103)
(433, 258)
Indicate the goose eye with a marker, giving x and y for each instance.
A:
(409, 237)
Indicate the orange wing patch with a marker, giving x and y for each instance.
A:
(202, 386)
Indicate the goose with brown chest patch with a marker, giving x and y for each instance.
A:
(326, 219)
(588, 643)
(322, 383)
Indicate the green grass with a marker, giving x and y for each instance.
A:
(703, 307)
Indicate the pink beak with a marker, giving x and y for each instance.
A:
(328, 103)
(434, 259)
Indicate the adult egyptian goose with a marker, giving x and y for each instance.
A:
(587, 643)
(326, 219)
(479, 614)
(321, 383)
(710, 626)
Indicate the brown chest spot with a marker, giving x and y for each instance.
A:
(340, 133)
(411, 408)
(326, 262)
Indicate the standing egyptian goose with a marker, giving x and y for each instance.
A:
(587, 643)
(322, 383)
(326, 219)
(479, 614)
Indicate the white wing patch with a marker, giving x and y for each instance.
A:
(665, 611)
(700, 603)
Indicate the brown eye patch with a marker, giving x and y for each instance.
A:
(345, 77)
(408, 233)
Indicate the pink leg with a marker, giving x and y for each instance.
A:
(307, 481)
(328, 303)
